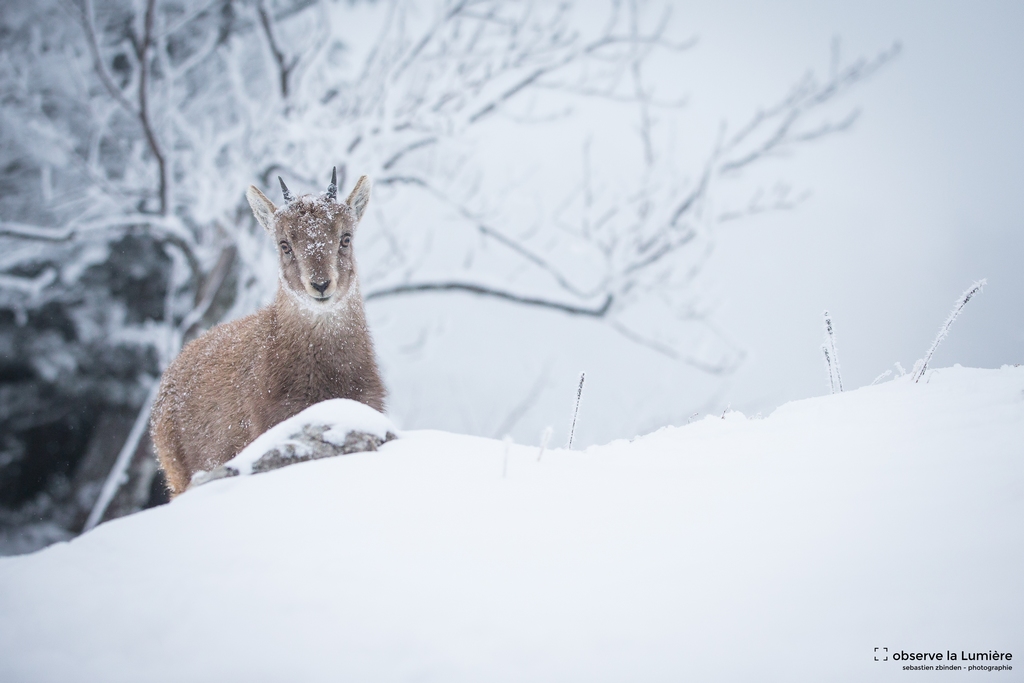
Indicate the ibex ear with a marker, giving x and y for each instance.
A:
(262, 207)
(360, 197)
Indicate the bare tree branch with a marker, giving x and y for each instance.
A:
(723, 368)
(397, 156)
(807, 96)
(425, 287)
(284, 67)
(36, 232)
(207, 293)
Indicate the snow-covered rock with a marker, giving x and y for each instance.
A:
(735, 549)
(336, 427)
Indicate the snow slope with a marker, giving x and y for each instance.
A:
(731, 549)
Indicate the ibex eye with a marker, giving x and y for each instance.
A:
(346, 240)
(286, 248)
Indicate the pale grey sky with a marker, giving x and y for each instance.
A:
(919, 200)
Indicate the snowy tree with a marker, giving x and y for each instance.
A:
(131, 128)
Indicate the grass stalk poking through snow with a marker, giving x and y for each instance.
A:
(881, 377)
(576, 410)
(922, 365)
(545, 436)
(828, 367)
(834, 377)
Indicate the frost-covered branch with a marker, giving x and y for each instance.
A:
(92, 42)
(145, 115)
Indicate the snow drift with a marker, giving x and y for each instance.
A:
(785, 548)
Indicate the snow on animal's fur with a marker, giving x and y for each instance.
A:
(311, 344)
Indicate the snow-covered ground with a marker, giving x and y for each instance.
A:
(729, 549)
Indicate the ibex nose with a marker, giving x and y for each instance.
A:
(321, 286)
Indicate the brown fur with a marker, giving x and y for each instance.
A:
(241, 378)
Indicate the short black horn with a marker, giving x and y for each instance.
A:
(288, 196)
(332, 189)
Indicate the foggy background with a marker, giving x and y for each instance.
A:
(883, 223)
(911, 207)
(904, 212)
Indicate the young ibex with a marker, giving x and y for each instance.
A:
(311, 344)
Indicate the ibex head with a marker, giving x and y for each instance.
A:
(314, 239)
